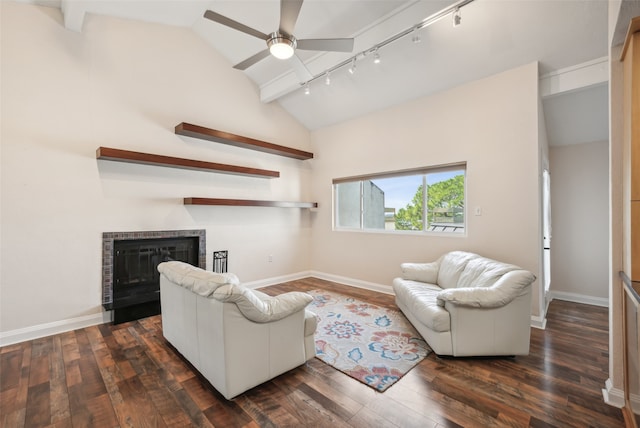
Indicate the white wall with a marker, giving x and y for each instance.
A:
(126, 85)
(492, 124)
(580, 220)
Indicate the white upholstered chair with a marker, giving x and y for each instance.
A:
(467, 305)
(237, 338)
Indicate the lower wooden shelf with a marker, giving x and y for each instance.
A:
(248, 203)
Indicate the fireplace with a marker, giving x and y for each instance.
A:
(131, 282)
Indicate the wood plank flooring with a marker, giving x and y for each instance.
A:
(128, 376)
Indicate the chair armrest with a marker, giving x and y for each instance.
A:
(195, 279)
(263, 310)
(422, 272)
(505, 290)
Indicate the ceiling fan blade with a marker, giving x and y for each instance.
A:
(252, 60)
(301, 70)
(221, 19)
(289, 11)
(333, 45)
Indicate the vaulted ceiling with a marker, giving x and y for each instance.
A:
(566, 37)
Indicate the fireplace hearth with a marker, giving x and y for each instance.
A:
(131, 282)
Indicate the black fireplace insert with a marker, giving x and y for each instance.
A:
(136, 281)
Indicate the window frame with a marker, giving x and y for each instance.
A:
(424, 171)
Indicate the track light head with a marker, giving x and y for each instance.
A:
(307, 90)
(327, 79)
(352, 69)
(415, 37)
(376, 56)
(457, 17)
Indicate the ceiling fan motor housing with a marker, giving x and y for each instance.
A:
(281, 46)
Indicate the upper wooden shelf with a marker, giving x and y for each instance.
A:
(248, 203)
(203, 133)
(106, 153)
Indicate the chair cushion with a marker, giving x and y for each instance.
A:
(423, 272)
(451, 266)
(421, 300)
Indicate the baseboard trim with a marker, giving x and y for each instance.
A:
(352, 282)
(613, 396)
(41, 330)
(538, 322)
(579, 298)
(276, 280)
(47, 329)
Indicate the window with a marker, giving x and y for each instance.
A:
(397, 200)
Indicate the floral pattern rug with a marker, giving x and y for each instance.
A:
(374, 345)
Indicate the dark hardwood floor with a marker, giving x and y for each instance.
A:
(127, 375)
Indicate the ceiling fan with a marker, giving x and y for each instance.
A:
(282, 43)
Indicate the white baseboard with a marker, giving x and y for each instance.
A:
(277, 280)
(538, 322)
(41, 330)
(352, 282)
(613, 396)
(579, 298)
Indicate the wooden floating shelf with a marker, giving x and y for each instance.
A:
(203, 133)
(248, 203)
(118, 155)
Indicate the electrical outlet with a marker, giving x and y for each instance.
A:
(270, 258)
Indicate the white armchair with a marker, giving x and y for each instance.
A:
(467, 305)
(237, 338)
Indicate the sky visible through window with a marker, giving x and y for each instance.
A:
(399, 191)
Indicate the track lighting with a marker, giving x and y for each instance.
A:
(415, 37)
(414, 31)
(352, 69)
(376, 56)
(457, 17)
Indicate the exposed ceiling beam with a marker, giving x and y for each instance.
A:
(574, 78)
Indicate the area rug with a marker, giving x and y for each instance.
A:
(374, 345)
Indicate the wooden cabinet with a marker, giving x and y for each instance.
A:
(631, 134)
(631, 222)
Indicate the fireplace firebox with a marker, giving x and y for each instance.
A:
(131, 282)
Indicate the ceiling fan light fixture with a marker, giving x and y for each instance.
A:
(281, 46)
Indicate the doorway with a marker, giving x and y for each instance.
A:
(546, 235)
